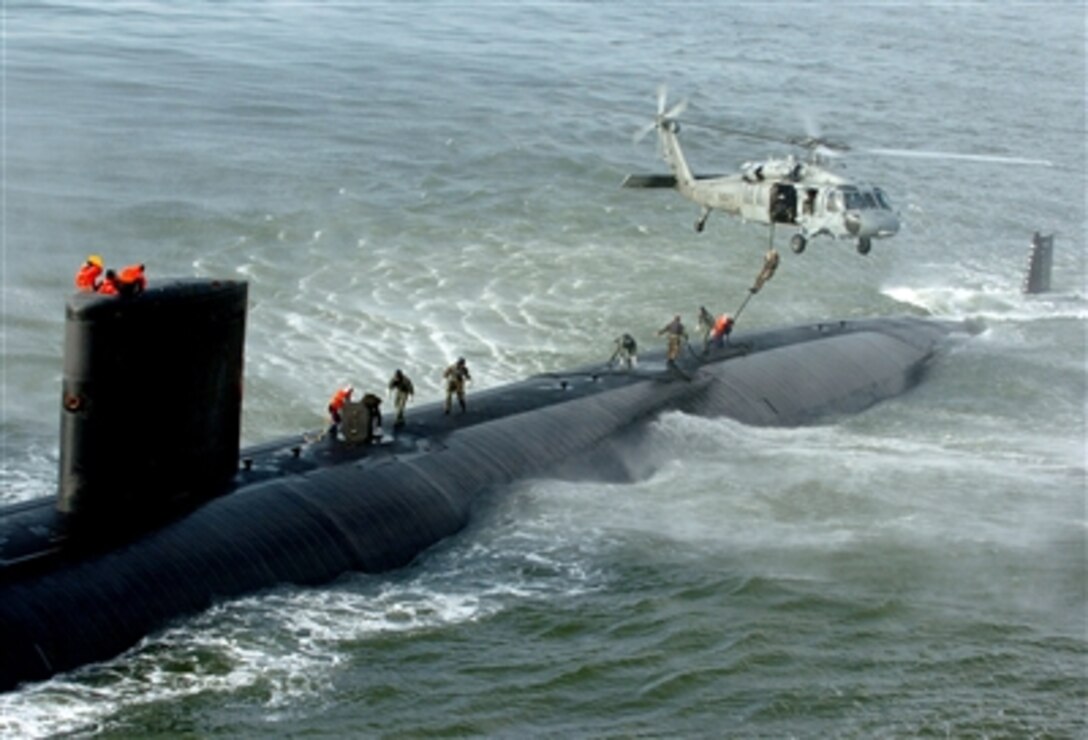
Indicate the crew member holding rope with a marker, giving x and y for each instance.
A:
(723, 327)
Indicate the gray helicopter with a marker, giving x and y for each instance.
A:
(802, 194)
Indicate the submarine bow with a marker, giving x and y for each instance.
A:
(78, 587)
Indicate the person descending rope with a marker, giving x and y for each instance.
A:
(770, 264)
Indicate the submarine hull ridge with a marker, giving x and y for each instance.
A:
(306, 514)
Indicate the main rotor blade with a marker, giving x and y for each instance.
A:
(993, 158)
(677, 109)
(641, 133)
(743, 134)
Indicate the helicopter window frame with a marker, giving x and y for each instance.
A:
(852, 198)
(808, 204)
(843, 198)
(882, 199)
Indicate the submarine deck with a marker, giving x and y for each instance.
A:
(33, 533)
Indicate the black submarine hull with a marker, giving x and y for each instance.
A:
(300, 512)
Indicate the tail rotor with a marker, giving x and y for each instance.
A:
(663, 116)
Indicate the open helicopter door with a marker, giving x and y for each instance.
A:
(783, 203)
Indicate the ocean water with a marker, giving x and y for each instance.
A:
(403, 183)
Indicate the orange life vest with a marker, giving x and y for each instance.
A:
(87, 277)
(723, 325)
(109, 286)
(339, 399)
(133, 275)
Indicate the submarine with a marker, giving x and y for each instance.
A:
(159, 516)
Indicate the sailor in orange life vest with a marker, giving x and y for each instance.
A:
(110, 285)
(87, 279)
(336, 403)
(132, 279)
(723, 327)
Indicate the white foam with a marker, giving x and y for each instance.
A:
(290, 643)
(286, 644)
(994, 302)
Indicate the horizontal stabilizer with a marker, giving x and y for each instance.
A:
(649, 181)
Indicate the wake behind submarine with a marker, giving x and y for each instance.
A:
(155, 519)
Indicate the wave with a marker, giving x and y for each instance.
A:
(991, 302)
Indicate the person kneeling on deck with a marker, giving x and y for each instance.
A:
(132, 280)
(401, 386)
(336, 406)
(110, 285)
(723, 327)
(626, 352)
(361, 420)
(456, 376)
(373, 406)
(676, 333)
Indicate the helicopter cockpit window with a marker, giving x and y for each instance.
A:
(854, 201)
(860, 200)
(834, 200)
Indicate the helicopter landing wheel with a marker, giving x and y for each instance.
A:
(864, 245)
(797, 243)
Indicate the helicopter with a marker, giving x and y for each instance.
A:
(787, 191)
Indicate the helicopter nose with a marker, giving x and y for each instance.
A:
(889, 225)
(881, 224)
(871, 223)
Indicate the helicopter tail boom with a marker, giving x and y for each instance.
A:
(649, 181)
